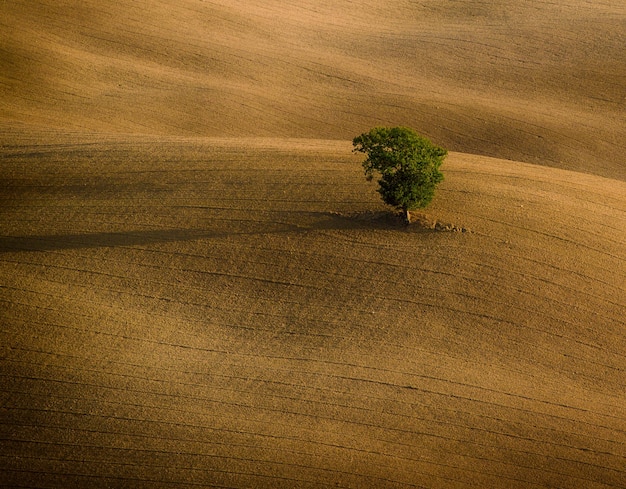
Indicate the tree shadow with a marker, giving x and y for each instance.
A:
(98, 240)
(292, 223)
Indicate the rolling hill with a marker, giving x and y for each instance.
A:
(540, 82)
(198, 288)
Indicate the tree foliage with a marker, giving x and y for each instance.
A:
(408, 165)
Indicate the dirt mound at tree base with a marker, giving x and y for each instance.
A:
(418, 221)
(427, 222)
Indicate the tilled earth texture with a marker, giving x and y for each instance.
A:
(199, 288)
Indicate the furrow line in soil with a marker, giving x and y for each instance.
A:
(383, 439)
(432, 303)
(229, 460)
(394, 373)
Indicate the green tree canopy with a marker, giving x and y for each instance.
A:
(408, 165)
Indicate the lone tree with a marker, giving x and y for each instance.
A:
(408, 165)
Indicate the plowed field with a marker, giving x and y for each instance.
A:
(198, 287)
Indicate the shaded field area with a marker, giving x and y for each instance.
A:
(245, 313)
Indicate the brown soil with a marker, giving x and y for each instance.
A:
(541, 82)
(199, 289)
